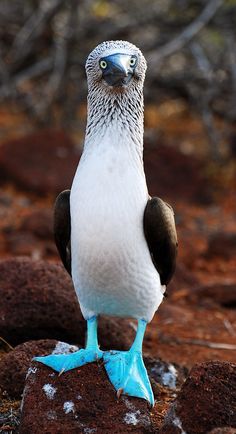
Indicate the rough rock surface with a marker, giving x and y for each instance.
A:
(165, 374)
(116, 333)
(181, 279)
(39, 222)
(43, 162)
(42, 304)
(22, 243)
(161, 161)
(79, 401)
(207, 400)
(25, 243)
(223, 430)
(221, 295)
(222, 244)
(15, 364)
(38, 301)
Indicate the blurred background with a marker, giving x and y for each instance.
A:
(189, 157)
(189, 46)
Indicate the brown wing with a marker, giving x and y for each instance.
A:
(62, 228)
(161, 237)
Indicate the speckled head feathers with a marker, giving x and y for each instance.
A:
(120, 105)
(107, 48)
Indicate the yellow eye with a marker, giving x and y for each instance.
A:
(132, 61)
(103, 64)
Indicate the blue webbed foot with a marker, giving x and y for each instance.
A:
(128, 374)
(65, 362)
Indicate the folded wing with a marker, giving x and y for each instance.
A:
(62, 228)
(161, 237)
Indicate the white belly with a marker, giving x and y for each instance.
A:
(112, 270)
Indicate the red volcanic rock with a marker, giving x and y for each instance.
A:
(34, 235)
(21, 243)
(43, 162)
(207, 400)
(164, 374)
(222, 244)
(38, 301)
(15, 364)
(174, 175)
(223, 430)
(223, 295)
(39, 222)
(182, 279)
(79, 401)
(116, 333)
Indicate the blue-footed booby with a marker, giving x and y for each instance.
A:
(118, 243)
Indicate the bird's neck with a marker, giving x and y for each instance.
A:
(116, 119)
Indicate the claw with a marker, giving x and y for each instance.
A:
(119, 392)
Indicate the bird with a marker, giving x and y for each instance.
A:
(117, 242)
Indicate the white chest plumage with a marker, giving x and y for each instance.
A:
(112, 268)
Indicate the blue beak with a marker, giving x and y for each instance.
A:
(116, 69)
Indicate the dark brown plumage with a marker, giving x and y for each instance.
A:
(161, 237)
(62, 228)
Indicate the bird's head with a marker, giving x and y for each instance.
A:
(116, 65)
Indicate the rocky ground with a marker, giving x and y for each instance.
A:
(190, 346)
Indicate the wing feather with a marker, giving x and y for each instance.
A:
(62, 228)
(161, 237)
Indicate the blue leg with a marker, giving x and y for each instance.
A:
(126, 369)
(65, 362)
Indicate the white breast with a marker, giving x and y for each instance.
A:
(112, 269)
